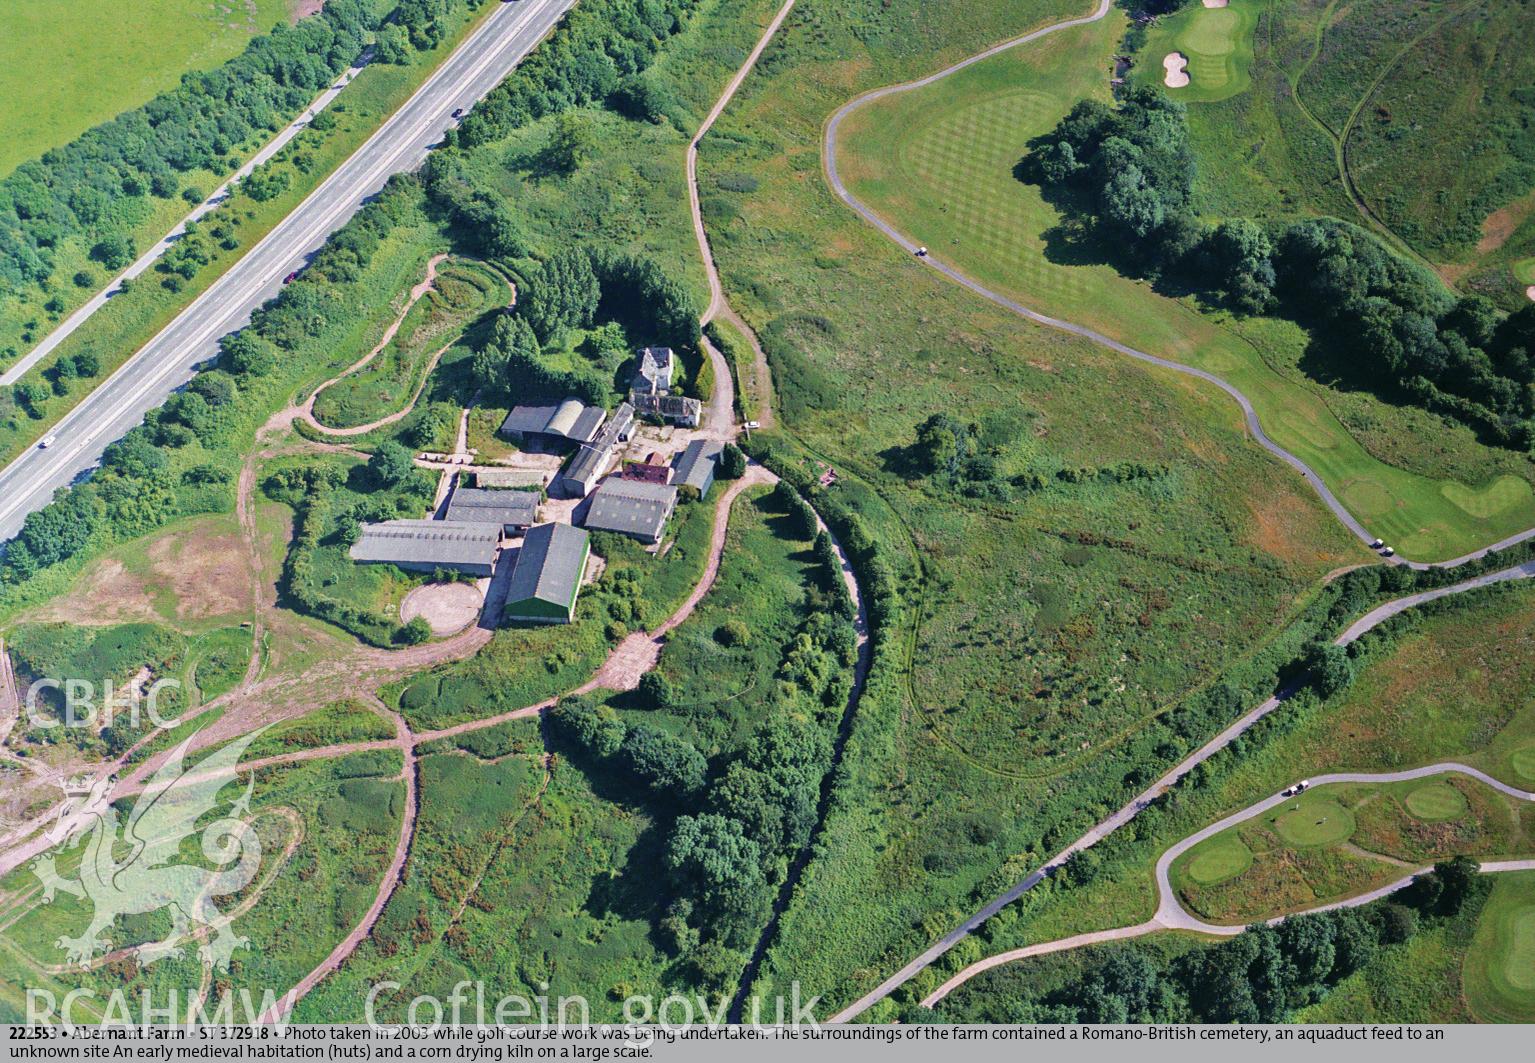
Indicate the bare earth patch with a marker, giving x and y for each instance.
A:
(448, 607)
(1498, 226)
(105, 594)
(200, 571)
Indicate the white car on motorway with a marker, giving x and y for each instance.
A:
(47, 442)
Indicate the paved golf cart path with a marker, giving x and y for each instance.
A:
(834, 177)
(1124, 815)
(1171, 915)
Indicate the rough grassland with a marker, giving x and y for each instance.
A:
(67, 67)
(1340, 841)
(1452, 686)
(1048, 630)
(940, 162)
(327, 832)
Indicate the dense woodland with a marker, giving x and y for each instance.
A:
(1377, 319)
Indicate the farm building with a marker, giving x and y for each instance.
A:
(513, 510)
(593, 459)
(572, 421)
(506, 479)
(653, 470)
(698, 463)
(428, 545)
(547, 577)
(672, 409)
(653, 375)
(632, 508)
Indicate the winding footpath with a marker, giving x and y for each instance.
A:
(719, 306)
(833, 175)
(1171, 915)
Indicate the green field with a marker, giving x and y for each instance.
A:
(67, 67)
(1499, 970)
(1041, 636)
(327, 833)
(1218, 43)
(463, 292)
(940, 162)
(131, 318)
(1444, 688)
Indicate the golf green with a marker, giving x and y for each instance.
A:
(1221, 858)
(1519, 953)
(1218, 44)
(1523, 761)
(1313, 821)
(1499, 969)
(1436, 802)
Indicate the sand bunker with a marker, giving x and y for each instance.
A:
(448, 607)
(1216, 3)
(1530, 293)
(1176, 76)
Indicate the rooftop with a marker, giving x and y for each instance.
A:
(493, 507)
(693, 467)
(592, 459)
(443, 542)
(654, 372)
(632, 507)
(549, 565)
(571, 419)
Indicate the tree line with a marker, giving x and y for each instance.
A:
(1385, 322)
(197, 126)
(604, 47)
(572, 289)
(1263, 975)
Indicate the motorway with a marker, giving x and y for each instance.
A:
(170, 359)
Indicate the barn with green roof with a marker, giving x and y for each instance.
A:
(546, 578)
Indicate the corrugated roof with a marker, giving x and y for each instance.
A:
(428, 542)
(695, 467)
(498, 507)
(571, 419)
(632, 507)
(591, 461)
(549, 565)
(511, 478)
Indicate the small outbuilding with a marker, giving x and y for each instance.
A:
(546, 579)
(509, 479)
